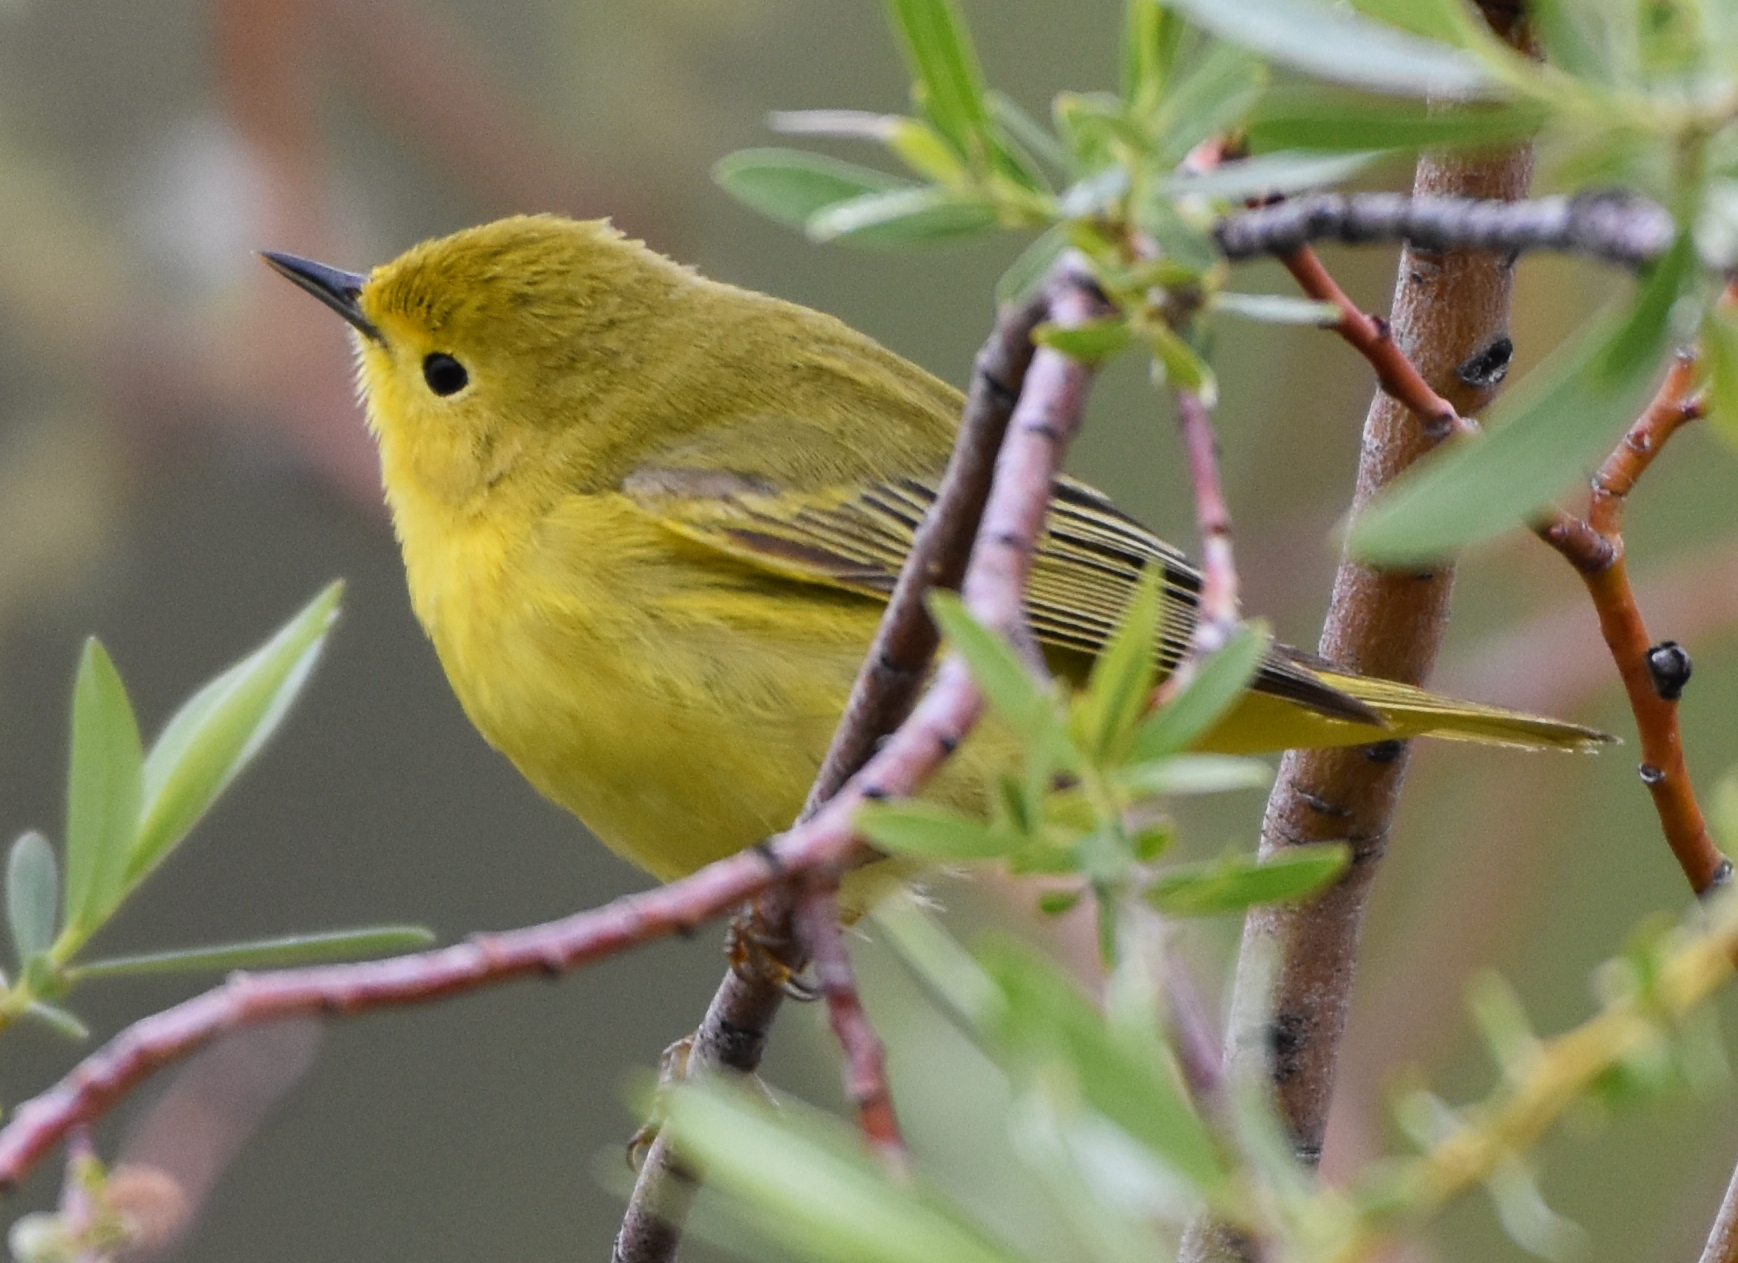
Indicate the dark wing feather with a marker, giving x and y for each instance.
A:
(1083, 576)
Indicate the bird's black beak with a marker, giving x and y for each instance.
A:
(341, 291)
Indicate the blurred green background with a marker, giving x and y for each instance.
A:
(182, 464)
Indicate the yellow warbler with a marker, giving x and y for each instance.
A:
(649, 520)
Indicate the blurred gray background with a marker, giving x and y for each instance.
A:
(182, 464)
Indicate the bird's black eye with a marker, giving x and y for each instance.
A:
(444, 374)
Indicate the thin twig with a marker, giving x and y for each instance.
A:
(733, 1034)
(1219, 586)
(1653, 675)
(1371, 337)
(865, 1062)
(1619, 227)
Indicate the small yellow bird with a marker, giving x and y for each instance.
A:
(649, 521)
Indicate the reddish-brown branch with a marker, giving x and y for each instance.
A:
(1594, 546)
(1372, 338)
(865, 1063)
(1219, 587)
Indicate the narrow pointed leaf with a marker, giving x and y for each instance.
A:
(32, 895)
(1554, 429)
(1090, 342)
(947, 971)
(220, 728)
(1210, 693)
(270, 953)
(1329, 42)
(1238, 881)
(1047, 1024)
(103, 789)
(1026, 273)
(1021, 129)
(1122, 677)
(902, 217)
(1191, 774)
(933, 832)
(1276, 309)
(1308, 118)
(58, 1020)
(790, 186)
(949, 86)
(1212, 93)
(812, 1187)
(1282, 172)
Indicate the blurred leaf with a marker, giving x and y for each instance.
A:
(947, 971)
(220, 728)
(1000, 672)
(1090, 342)
(1530, 1223)
(1191, 774)
(1054, 903)
(932, 832)
(1047, 1024)
(1720, 352)
(58, 1020)
(32, 895)
(1211, 95)
(1282, 172)
(1151, 34)
(268, 953)
(1333, 43)
(790, 186)
(1026, 273)
(1441, 20)
(1180, 365)
(1122, 675)
(1238, 881)
(104, 788)
(1562, 421)
(1717, 225)
(949, 86)
(1503, 1022)
(903, 217)
(1310, 118)
(1276, 309)
(812, 1187)
(1025, 131)
(1216, 685)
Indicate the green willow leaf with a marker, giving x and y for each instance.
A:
(1026, 273)
(1344, 47)
(1561, 421)
(32, 895)
(1191, 774)
(269, 953)
(949, 86)
(1312, 118)
(217, 732)
(1239, 881)
(1720, 351)
(1122, 676)
(1281, 172)
(813, 1185)
(933, 832)
(1212, 690)
(58, 1020)
(1090, 343)
(903, 217)
(792, 186)
(1276, 309)
(104, 790)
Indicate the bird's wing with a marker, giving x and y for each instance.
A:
(1084, 574)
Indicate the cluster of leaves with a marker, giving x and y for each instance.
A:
(1080, 805)
(128, 809)
(1628, 92)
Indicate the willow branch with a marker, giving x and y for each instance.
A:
(1653, 674)
(1722, 1244)
(1618, 227)
(866, 1084)
(1450, 310)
